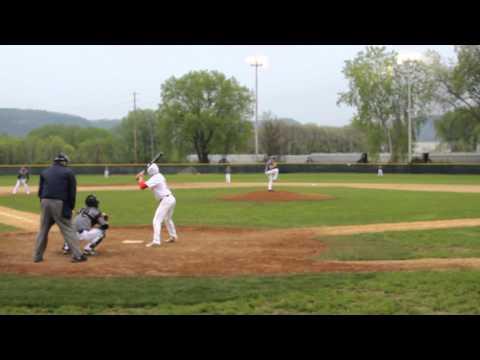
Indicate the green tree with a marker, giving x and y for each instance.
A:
(146, 123)
(204, 108)
(378, 90)
(270, 137)
(458, 82)
(459, 129)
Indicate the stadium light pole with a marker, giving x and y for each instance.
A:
(256, 61)
(404, 58)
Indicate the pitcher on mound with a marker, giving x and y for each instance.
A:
(164, 213)
(271, 170)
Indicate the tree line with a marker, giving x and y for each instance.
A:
(204, 112)
(379, 87)
(201, 112)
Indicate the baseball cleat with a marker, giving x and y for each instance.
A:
(153, 244)
(79, 259)
(66, 251)
(89, 252)
(171, 239)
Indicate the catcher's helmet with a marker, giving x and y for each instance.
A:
(61, 157)
(91, 201)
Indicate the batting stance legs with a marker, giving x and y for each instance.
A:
(272, 176)
(164, 214)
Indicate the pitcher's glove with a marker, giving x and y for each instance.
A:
(105, 216)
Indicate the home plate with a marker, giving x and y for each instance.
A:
(133, 242)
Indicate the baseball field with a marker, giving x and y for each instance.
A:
(319, 244)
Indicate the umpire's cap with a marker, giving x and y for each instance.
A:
(61, 157)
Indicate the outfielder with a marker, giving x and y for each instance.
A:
(22, 179)
(164, 213)
(380, 171)
(91, 225)
(271, 170)
(228, 174)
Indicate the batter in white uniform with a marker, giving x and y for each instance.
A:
(164, 213)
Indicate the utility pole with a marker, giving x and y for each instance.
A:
(256, 110)
(409, 84)
(257, 63)
(135, 127)
(152, 134)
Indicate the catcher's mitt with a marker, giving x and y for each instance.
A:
(105, 216)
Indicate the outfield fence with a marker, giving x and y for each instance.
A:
(124, 169)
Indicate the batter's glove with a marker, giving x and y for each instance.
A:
(140, 175)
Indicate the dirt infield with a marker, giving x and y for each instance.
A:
(5, 190)
(200, 251)
(274, 196)
(20, 219)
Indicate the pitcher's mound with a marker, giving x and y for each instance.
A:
(265, 196)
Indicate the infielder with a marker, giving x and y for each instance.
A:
(22, 179)
(271, 170)
(91, 225)
(164, 213)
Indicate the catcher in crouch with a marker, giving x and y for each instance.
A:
(91, 225)
(164, 213)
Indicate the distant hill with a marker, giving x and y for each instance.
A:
(104, 123)
(19, 122)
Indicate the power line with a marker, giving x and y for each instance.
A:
(135, 127)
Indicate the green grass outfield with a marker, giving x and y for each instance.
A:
(420, 292)
(350, 206)
(9, 180)
(412, 292)
(404, 245)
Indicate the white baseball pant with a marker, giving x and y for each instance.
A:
(272, 176)
(228, 178)
(164, 214)
(22, 182)
(92, 236)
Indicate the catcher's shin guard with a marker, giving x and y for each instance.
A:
(97, 242)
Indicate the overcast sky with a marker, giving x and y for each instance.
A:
(96, 82)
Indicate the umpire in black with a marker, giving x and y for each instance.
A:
(57, 191)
